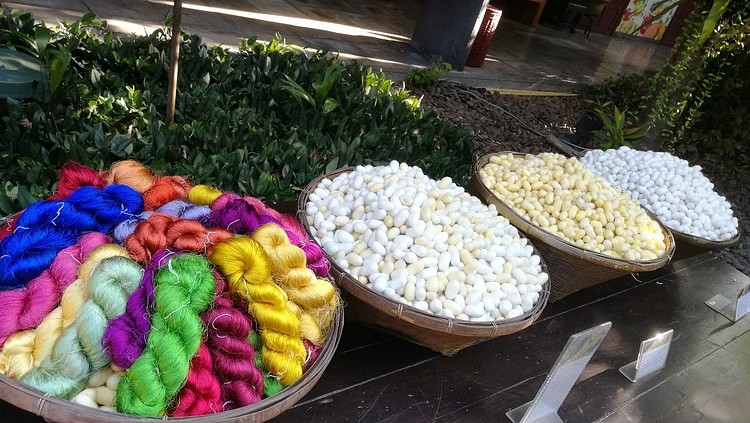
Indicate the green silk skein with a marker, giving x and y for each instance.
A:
(183, 289)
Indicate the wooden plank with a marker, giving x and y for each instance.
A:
(482, 382)
(377, 378)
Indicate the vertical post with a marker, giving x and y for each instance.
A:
(174, 60)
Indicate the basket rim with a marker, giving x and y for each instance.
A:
(705, 242)
(410, 313)
(564, 245)
(57, 409)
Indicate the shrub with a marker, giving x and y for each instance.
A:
(263, 121)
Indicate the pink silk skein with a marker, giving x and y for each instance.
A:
(201, 394)
(24, 308)
(227, 329)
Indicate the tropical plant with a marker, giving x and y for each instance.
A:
(615, 131)
(428, 76)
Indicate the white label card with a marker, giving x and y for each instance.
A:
(565, 372)
(732, 309)
(653, 354)
(743, 303)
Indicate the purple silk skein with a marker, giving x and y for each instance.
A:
(125, 337)
(237, 215)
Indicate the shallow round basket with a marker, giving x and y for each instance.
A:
(444, 335)
(571, 267)
(687, 245)
(58, 410)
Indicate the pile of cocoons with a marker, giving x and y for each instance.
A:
(425, 243)
(677, 193)
(561, 196)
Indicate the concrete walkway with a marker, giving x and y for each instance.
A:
(377, 33)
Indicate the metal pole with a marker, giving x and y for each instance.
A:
(173, 60)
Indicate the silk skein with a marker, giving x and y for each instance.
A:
(46, 227)
(184, 288)
(234, 213)
(227, 329)
(316, 297)
(201, 393)
(78, 352)
(203, 195)
(245, 265)
(161, 231)
(271, 384)
(26, 349)
(126, 335)
(73, 176)
(164, 190)
(26, 307)
(130, 173)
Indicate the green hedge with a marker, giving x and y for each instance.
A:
(262, 121)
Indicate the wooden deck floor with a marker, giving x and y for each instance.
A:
(375, 377)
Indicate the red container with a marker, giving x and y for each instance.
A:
(484, 37)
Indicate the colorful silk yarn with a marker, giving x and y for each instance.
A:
(25, 308)
(47, 227)
(247, 269)
(126, 335)
(192, 361)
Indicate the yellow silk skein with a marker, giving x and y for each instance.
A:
(246, 267)
(203, 195)
(26, 349)
(316, 297)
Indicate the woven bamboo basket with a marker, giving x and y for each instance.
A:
(444, 335)
(571, 268)
(687, 245)
(58, 410)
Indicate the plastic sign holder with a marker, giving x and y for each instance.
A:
(732, 310)
(569, 365)
(652, 357)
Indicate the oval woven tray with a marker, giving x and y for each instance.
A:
(441, 334)
(571, 267)
(58, 410)
(687, 245)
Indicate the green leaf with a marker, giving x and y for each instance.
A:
(57, 68)
(332, 165)
(5, 204)
(717, 10)
(121, 145)
(25, 198)
(330, 105)
(41, 39)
